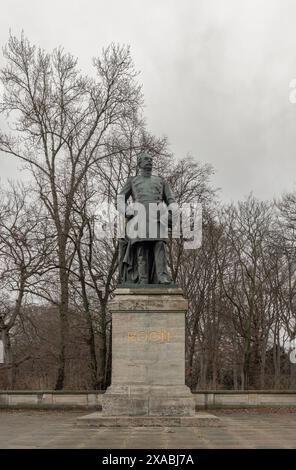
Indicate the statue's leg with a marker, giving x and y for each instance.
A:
(122, 250)
(142, 258)
(151, 265)
(160, 261)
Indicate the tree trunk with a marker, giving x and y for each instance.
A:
(108, 369)
(64, 320)
(235, 380)
(102, 355)
(91, 335)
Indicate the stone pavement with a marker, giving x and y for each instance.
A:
(56, 429)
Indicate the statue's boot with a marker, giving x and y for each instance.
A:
(164, 279)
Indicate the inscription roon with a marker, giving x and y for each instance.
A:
(150, 336)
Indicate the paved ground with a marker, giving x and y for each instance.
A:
(240, 429)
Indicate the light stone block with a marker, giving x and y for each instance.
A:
(47, 398)
(233, 399)
(26, 399)
(68, 399)
(148, 354)
(278, 399)
(4, 399)
(92, 399)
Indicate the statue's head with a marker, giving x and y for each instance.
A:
(145, 161)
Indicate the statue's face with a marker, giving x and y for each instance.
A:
(145, 161)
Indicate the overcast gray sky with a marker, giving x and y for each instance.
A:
(215, 75)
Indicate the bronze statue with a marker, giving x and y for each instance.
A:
(143, 259)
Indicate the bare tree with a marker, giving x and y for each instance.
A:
(63, 122)
(25, 249)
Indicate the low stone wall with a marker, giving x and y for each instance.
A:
(93, 399)
(50, 399)
(244, 399)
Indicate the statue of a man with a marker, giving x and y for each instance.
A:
(143, 259)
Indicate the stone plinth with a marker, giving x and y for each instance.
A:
(148, 354)
(96, 420)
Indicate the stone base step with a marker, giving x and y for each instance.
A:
(148, 404)
(96, 420)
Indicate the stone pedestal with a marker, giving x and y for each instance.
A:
(148, 354)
